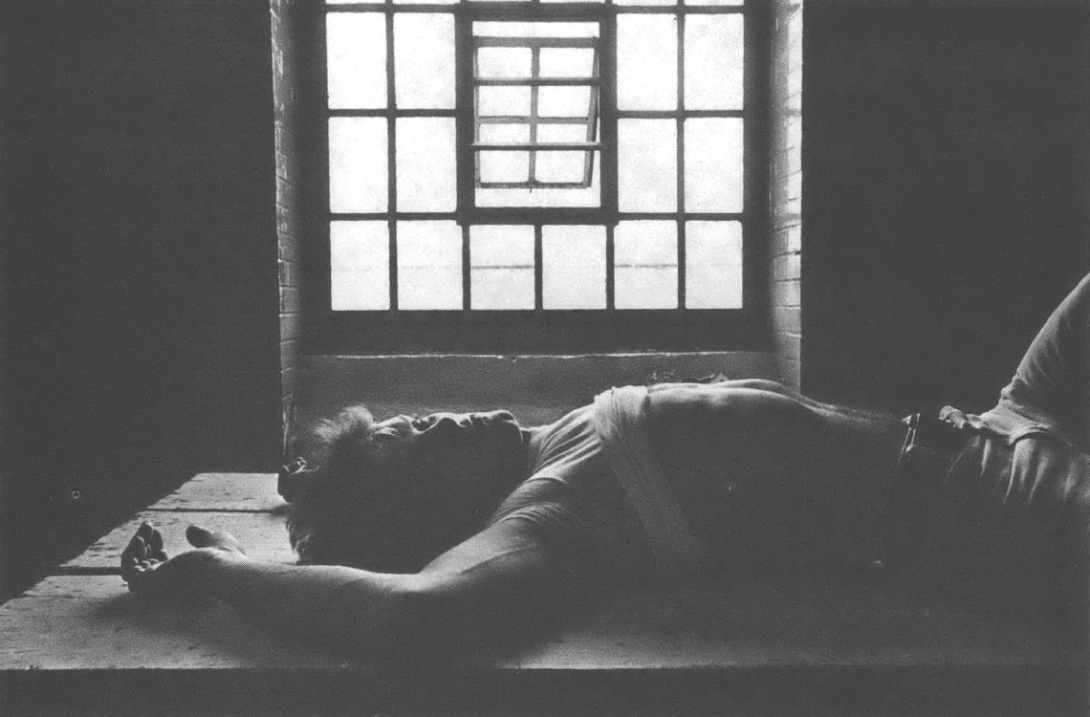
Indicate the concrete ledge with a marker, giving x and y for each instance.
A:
(330, 382)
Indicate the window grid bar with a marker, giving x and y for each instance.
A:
(476, 118)
(453, 216)
(535, 72)
(509, 7)
(534, 42)
(391, 159)
(536, 146)
(682, 114)
(539, 273)
(524, 119)
(535, 81)
(533, 184)
(681, 162)
(611, 272)
(466, 273)
(592, 121)
(392, 113)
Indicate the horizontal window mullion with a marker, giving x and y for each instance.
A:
(535, 184)
(685, 216)
(534, 42)
(536, 81)
(388, 8)
(526, 119)
(391, 112)
(383, 216)
(684, 114)
(566, 11)
(679, 10)
(537, 146)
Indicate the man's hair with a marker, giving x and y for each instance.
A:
(355, 509)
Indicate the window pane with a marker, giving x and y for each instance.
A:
(503, 62)
(356, 60)
(563, 101)
(424, 60)
(645, 2)
(359, 263)
(501, 267)
(562, 133)
(561, 166)
(505, 132)
(426, 165)
(566, 62)
(645, 265)
(429, 265)
(713, 62)
(357, 164)
(503, 101)
(713, 265)
(646, 62)
(573, 267)
(713, 165)
(714, 2)
(647, 165)
(505, 166)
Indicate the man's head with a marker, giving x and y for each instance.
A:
(391, 495)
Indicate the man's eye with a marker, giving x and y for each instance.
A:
(419, 423)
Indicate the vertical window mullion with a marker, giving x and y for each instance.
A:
(610, 268)
(681, 161)
(607, 106)
(391, 155)
(539, 270)
(535, 70)
(466, 273)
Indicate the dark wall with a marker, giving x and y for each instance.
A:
(139, 261)
(945, 191)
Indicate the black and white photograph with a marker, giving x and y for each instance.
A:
(587, 358)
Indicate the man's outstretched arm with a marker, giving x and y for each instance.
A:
(472, 594)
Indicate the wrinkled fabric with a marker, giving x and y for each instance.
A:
(1021, 486)
(1050, 390)
(620, 417)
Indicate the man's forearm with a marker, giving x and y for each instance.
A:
(343, 607)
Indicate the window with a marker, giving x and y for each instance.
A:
(540, 175)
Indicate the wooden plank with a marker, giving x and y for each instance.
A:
(263, 536)
(225, 491)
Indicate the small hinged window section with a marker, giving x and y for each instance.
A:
(535, 134)
(535, 105)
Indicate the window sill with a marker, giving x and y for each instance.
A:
(536, 388)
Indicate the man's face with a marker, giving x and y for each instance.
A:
(456, 454)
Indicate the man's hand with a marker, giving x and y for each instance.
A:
(149, 572)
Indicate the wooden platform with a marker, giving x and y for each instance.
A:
(78, 643)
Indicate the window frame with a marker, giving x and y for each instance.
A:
(535, 330)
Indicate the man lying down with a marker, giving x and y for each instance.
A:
(444, 531)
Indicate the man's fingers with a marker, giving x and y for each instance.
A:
(198, 537)
(137, 549)
(156, 547)
(145, 531)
